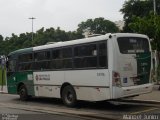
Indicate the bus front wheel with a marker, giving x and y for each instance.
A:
(23, 93)
(69, 96)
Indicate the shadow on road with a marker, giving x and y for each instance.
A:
(101, 106)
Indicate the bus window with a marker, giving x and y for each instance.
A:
(57, 54)
(25, 66)
(42, 60)
(25, 62)
(45, 55)
(42, 65)
(57, 62)
(85, 50)
(130, 45)
(85, 56)
(67, 52)
(25, 57)
(12, 65)
(67, 57)
(103, 55)
(67, 63)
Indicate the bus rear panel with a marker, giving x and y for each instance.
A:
(132, 74)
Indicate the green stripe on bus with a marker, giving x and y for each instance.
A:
(143, 67)
(17, 78)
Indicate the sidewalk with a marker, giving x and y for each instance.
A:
(154, 96)
(4, 90)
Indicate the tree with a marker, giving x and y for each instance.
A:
(98, 26)
(43, 36)
(139, 8)
(1, 38)
(149, 25)
(1, 44)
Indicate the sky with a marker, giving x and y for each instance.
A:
(66, 14)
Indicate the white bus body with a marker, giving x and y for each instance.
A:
(95, 84)
(100, 68)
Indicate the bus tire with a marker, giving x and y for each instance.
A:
(23, 93)
(69, 96)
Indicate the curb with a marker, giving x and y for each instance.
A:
(147, 101)
(156, 87)
(3, 92)
(143, 101)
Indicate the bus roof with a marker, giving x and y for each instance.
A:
(74, 42)
(84, 40)
(25, 50)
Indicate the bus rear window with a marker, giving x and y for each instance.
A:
(130, 45)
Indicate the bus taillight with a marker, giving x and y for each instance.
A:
(116, 79)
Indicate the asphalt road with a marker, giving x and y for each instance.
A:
(53, 109)
(36, 116)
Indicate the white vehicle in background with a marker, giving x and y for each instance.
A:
(99, 68)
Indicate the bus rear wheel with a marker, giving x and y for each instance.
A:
(23, 93)
(69, 96)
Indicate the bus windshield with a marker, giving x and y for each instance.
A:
(131, 45)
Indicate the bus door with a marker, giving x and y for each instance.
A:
(11, 76)
(134, 61)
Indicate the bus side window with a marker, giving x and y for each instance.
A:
(25, 57)
(57, 62)
(67, 57)
(25, 62)
(85, 56)
(103, 55)
(12, 66)
(42, 60)
(45, 55)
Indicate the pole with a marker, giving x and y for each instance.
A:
(3, 67)
(154, 6)
(32, 18)
(2, 78)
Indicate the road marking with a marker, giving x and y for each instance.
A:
(139, 112)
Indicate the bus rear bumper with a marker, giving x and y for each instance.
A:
(131, 90)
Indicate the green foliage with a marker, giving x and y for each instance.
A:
(1, 38)
(149, 25)
(138, 8)
(54, 35)
(41, 37)
(98, 26)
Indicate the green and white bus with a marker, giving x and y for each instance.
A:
(99, 68)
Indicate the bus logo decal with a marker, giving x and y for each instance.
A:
(43, 77)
